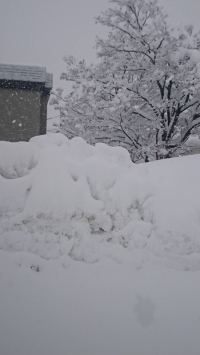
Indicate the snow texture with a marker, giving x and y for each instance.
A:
(65, 197)
(95, 249)
(26, 73)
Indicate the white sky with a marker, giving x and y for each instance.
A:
(42, 32)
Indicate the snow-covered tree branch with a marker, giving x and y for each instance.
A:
(144, 93)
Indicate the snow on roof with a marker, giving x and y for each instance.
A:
(26, 73)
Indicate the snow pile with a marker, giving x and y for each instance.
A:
(61, 197)
(17, 159)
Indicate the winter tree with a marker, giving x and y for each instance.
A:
(144, 93)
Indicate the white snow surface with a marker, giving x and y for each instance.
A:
(65, 197)
(98, 255)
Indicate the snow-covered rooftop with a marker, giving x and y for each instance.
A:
(26, 73)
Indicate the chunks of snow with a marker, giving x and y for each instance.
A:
(17, 159)
(64, 197)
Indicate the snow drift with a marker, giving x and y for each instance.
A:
(65, 197)
(89, 246)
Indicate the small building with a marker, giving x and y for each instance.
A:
(24, 94)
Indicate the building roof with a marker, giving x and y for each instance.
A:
(26, 73)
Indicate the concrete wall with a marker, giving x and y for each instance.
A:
(20, 114)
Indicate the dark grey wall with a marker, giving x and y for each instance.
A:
(22, 114)
(43, 113)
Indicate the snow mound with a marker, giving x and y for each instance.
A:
(89, 202)
(17, 159)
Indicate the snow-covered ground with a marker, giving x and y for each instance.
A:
(97, 255)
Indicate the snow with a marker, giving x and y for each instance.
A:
(26, 73)
(193, 141)
(97, 255)
(68, 195)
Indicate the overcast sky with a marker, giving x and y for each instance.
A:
(41, 32)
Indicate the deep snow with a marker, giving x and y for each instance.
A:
(98, 255)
